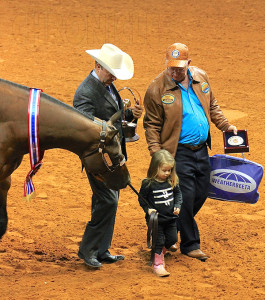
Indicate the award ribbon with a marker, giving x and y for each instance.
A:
(35, 154)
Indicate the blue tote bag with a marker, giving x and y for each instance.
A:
(234, 179)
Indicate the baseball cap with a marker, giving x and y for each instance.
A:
(177, 55)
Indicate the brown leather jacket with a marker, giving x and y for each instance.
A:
(163, 110)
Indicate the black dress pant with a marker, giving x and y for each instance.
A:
(193, 169)
(99, 230)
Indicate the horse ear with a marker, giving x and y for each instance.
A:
(112, 133)
(115, 117)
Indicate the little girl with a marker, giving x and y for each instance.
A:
(161, 190)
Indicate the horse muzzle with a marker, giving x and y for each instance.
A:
(118, 179)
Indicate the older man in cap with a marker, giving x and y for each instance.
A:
(98, 97)
(180, 105)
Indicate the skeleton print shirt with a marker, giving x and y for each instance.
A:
(162, 197)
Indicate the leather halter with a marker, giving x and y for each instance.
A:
(111, 166)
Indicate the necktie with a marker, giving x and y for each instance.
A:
(112, 95)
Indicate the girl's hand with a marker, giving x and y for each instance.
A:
(176, 211)
(150, 210)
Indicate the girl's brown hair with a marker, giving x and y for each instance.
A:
(158, 159)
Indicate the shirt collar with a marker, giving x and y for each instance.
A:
(95, 74)
(189, 74)
(193, 76)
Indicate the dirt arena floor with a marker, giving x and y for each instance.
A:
(42, 44)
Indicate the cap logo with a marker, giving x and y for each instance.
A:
(205, 87)
(168, 99)
(175, 53)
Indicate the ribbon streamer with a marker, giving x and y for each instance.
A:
(35, 154)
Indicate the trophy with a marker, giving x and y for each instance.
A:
(235, 143)
(129, 128)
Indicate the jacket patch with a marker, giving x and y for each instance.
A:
(168, 99)
(205, 87)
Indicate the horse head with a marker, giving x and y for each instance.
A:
(106, 162)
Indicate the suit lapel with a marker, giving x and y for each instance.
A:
(102, 89)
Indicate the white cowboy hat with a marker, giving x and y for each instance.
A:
(117, 62)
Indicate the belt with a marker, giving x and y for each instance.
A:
(193, 148)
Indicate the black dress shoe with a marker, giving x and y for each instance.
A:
(108, 258)
(91, 261)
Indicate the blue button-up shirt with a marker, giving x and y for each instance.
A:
(195, 126)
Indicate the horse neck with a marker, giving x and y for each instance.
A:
(61, 126)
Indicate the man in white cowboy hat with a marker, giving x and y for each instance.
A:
(98, 97)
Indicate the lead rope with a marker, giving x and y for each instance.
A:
(152, 227)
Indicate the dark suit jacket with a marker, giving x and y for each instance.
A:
(94, 100)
